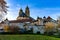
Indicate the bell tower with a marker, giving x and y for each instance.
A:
(27, 11)
(20, 11)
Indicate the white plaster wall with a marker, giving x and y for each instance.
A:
(41, 29)
(20, 25)
(35, 29)
(41, 22)
(29, 27)
(38, 28)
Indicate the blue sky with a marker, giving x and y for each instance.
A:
(37, 8)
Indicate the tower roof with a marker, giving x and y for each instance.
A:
(27, 7)
(48, 17)
(38, 17)
(21, 9)
(6, 19)
(21, 13)
(44, 17)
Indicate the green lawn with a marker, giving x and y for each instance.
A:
(27, 37)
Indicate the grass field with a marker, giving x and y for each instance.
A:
(27, 37)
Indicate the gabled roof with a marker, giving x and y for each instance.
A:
(18, 21)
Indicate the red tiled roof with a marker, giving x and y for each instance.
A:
(23, 20)
(48, 17)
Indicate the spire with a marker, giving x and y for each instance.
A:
(27, 11)
(27, 7)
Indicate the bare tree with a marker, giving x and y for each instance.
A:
(3, 6)
(3, 9)
(49, 26)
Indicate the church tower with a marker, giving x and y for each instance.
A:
(27, 11)
(20, 11)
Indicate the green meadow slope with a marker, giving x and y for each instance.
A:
(27, 37)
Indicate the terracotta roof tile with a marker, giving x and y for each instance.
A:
(17, 21)
(48, 17)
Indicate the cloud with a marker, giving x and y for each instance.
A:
(10, 16)
(34, 11)
(56, 15)
(53, 12)
(12, 11)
